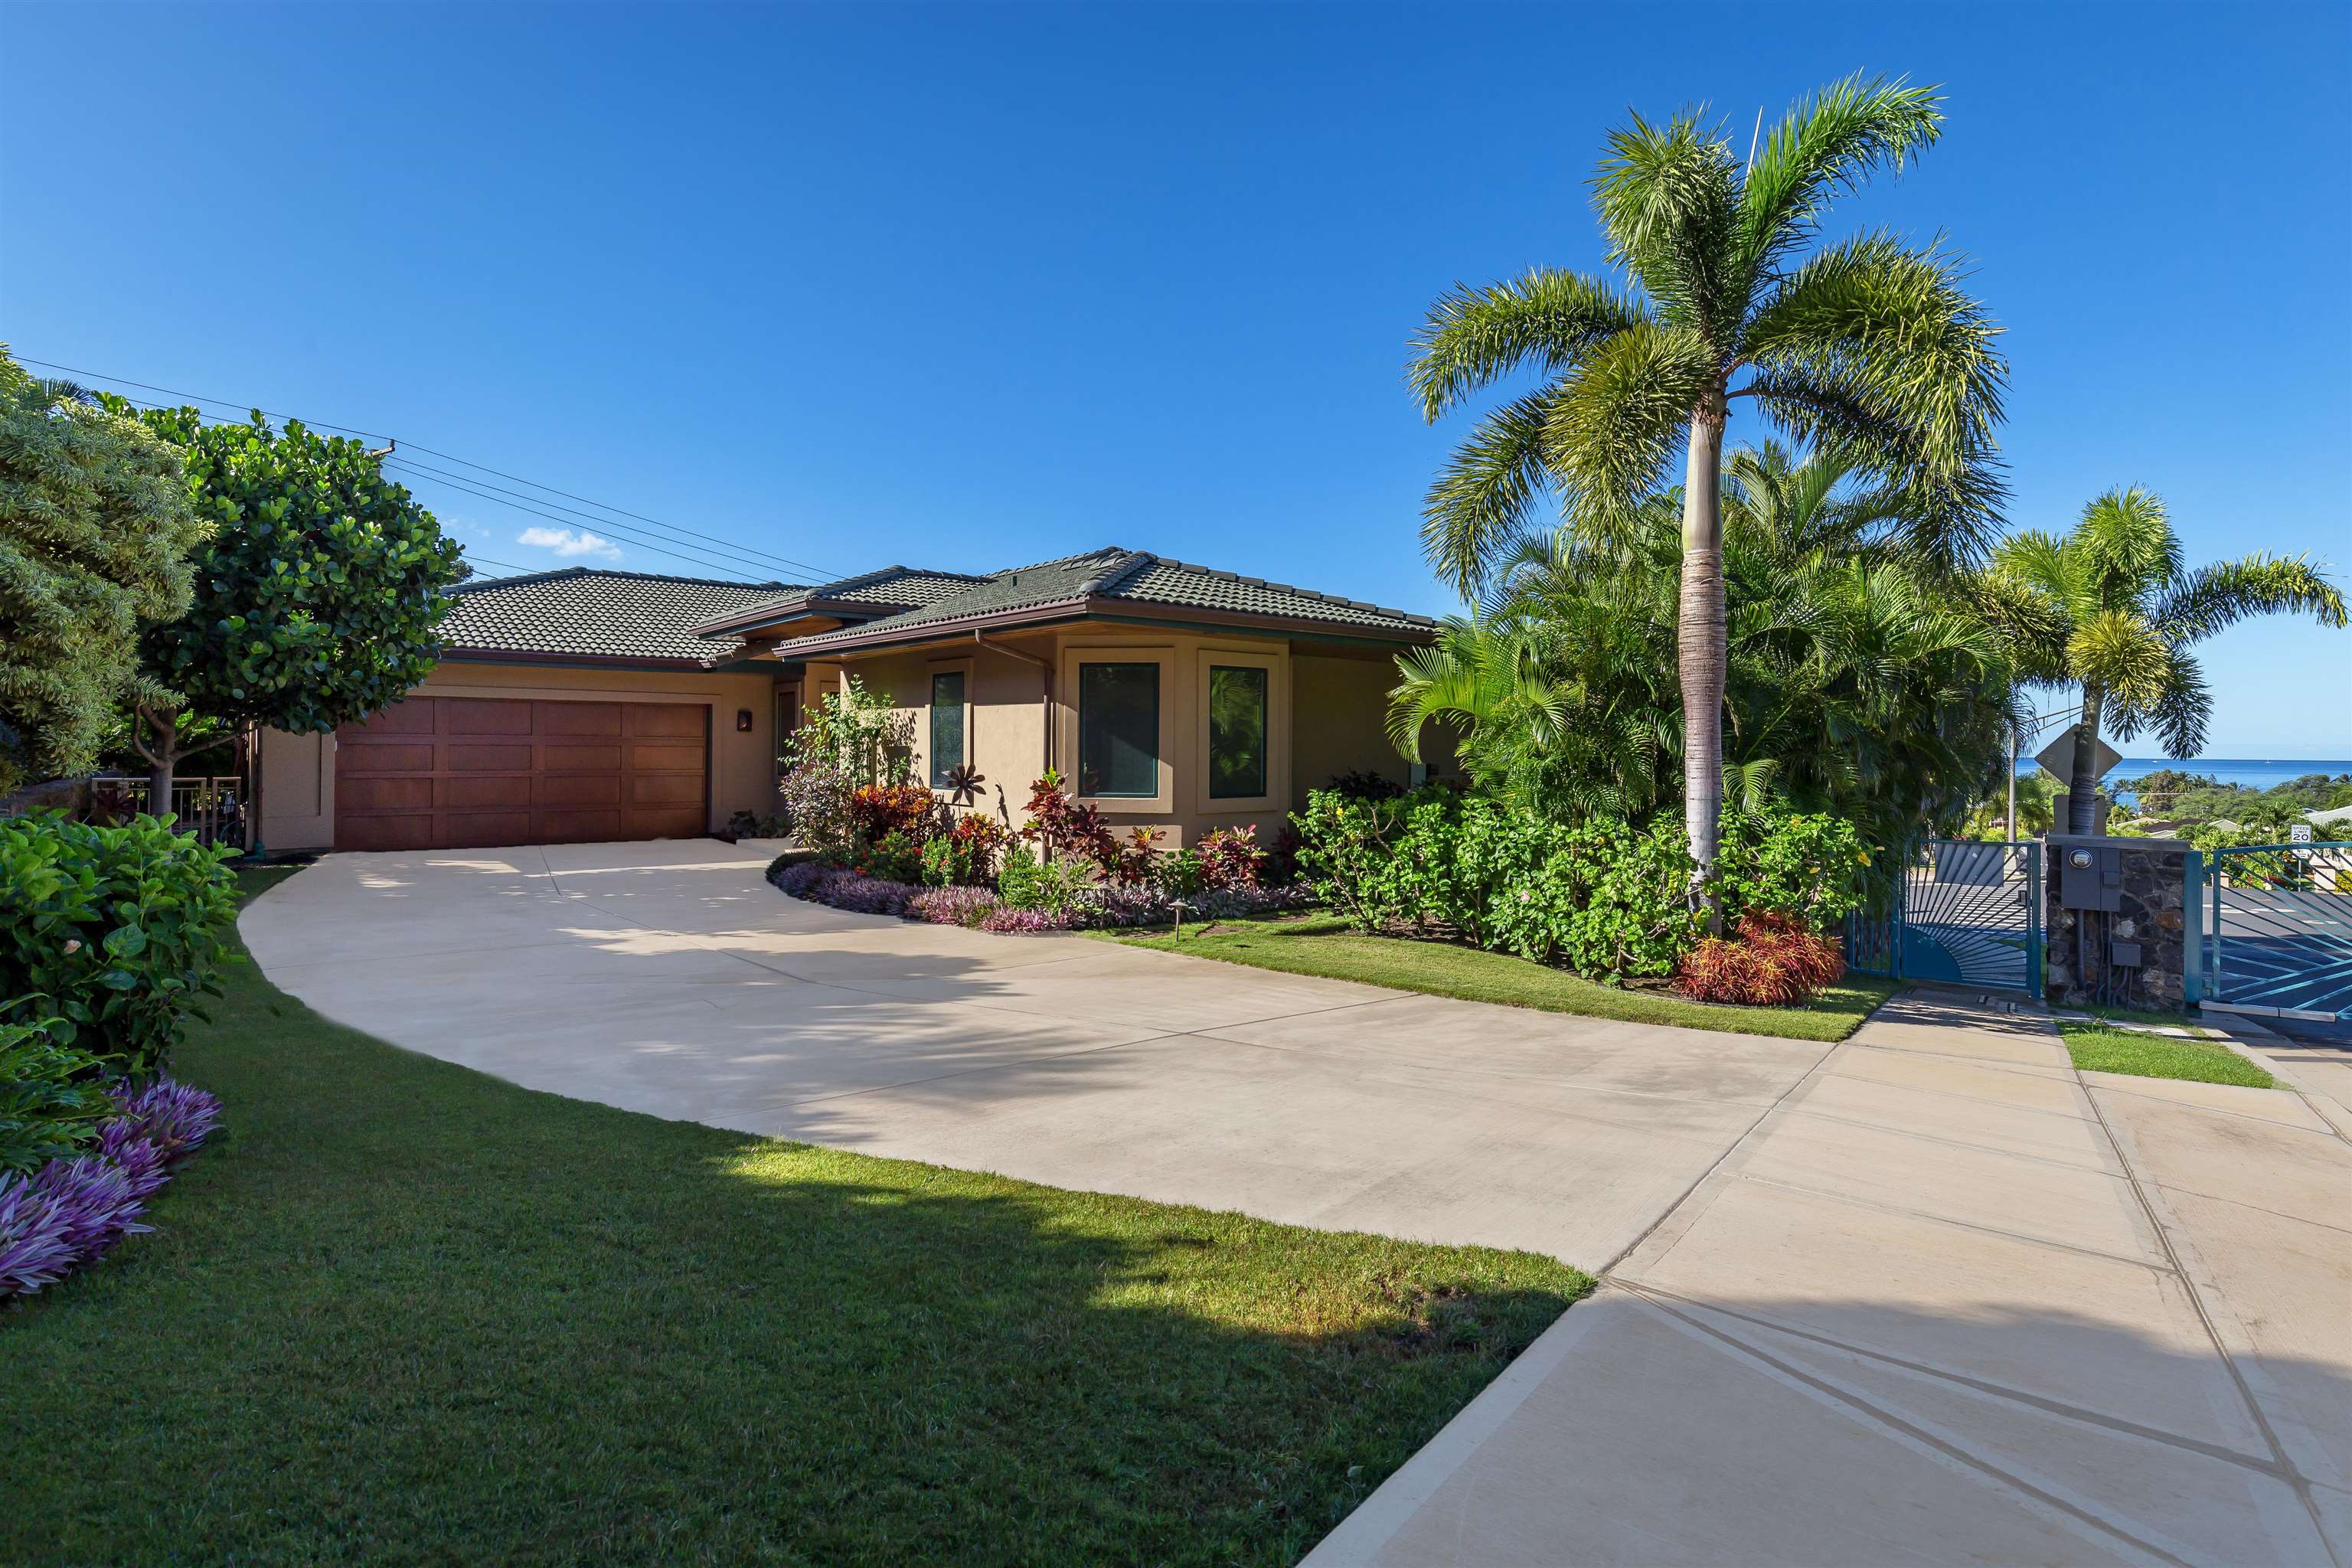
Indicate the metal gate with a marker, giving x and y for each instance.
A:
(2279, 931)
(1961, 912)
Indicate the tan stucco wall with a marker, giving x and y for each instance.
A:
(1328, 717)
(297, 772)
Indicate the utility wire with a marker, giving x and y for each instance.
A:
(823, 572)
(411, 465)
(725, 569)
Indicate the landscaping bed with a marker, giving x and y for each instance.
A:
(402, 1310)
(1334, 950)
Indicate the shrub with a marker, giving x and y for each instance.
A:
(1346, 850)
(1230, 857)
(1180, 873)
(1775, 961)
(816, 799)
(1027, 883)
(115, 931)
(898, 857)
(1811, 868)
(51, 1097)
(880, 810)
(868, 895)
(965, 856)
(954, 906)
(1007, 921)
(855, 733)
(752, 825)
(1064, 830)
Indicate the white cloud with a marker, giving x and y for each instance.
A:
(565, 541)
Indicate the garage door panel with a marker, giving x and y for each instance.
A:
(413, 718)
(481, 791)
(583, 789)
(484, 716)
(367, 794)
(476, 771)
(664, 789)
(661, 758)
(574, 759)
(654, 720)
(364, 757)
(475, 757)
(578, 718)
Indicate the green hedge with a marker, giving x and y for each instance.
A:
(1604, 898)
(110, 935)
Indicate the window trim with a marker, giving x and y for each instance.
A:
(1276, 666)
(1159, 702)
(1067, 682)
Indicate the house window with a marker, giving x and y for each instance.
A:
(1236, 731)
(948, 729)
(1118, 730)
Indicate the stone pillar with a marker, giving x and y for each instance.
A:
(2152, 912)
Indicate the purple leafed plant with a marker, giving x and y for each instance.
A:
(1008, 921)
(177, 1118)
(869, 895)
(98, 1203)
(952, 906)
(34, 1249)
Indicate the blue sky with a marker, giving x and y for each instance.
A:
(973, 285)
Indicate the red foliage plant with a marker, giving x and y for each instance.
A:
(880, 810)
(1230, 857)
(1776, 960)
(1065, 830)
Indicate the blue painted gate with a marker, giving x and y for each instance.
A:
(1958, 913)
(2278, 930)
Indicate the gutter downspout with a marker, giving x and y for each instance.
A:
(1045, 686)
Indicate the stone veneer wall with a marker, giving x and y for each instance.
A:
(2154, 914)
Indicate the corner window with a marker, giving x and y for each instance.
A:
(1236, 731)
(1118, 730)
(948, 729)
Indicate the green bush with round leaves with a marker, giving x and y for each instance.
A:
(112, 935)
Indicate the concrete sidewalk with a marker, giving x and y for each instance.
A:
(1950, 1302)
(671, 978)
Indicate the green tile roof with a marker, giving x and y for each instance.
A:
(1134, 576)
(584, 612)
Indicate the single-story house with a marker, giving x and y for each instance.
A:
(586, 705)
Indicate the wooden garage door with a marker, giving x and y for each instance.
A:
(454, 773)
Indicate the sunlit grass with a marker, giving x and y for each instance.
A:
(404, 1311)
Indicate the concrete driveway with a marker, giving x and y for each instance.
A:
(670, 978)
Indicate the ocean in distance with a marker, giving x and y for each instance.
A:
(2254, 772)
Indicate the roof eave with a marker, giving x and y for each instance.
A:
(459, 654)
(1078, 608)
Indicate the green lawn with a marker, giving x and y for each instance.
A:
(2095, 1047)
(1328, 946)
(400, 1311)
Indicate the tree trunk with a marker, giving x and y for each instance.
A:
(2082, 785)
(1701, 647)
(162, 753)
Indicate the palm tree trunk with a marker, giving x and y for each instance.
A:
(1701, 649)
(2082, 783)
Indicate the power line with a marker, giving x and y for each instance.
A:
(823, 572)
(409, 465)
(725, 569)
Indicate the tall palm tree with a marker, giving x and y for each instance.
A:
(1869, 344)
(2113, 610)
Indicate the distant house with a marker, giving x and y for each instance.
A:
(2337, 817)
(586, 705)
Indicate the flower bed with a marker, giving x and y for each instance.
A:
(71, 1212)
(1096, 907)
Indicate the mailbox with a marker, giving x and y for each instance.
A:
(2090, 878)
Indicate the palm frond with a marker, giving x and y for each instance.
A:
(2227, 592)
(2128, 546)
(2120, 653)
(1546, 320)
(1667, 198)
(1828, 145)
(1485, 496)
(1620, 419)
